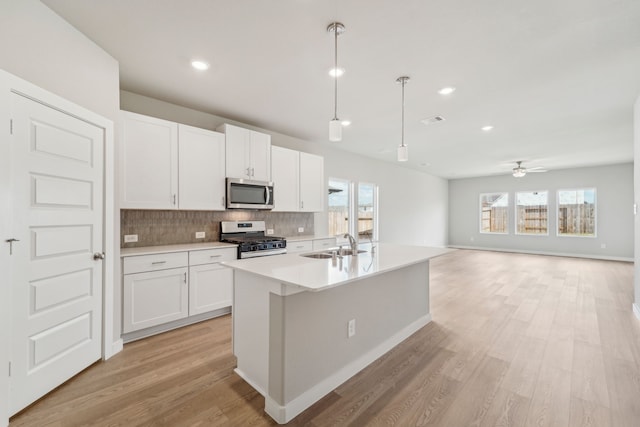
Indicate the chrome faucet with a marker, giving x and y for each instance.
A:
(352, 243)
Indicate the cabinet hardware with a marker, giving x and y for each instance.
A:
(301, 204)
(10, 242)
(174, 199)
(185, 277)
(98, 255)
(248, 171)
(216, 256)
(158, 262)
(223, 201)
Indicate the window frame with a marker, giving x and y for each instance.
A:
(595, 219)
(480, 219)
(515, 209)
(350, 204)
(375, 209)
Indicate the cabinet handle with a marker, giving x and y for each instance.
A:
(222, 201)
(248, 171)
(158, 262)
(216, 256)
(174, 199)
(301, 204)
(185, 277)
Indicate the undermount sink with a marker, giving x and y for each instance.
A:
(350, 252)
(319, 255)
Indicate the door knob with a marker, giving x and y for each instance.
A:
(98, 255)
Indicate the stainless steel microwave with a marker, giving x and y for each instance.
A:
(249, 194)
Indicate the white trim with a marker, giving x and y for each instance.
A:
(563, 254)
(117, 347)
(284, 414)
(636, 310)
(251, 383)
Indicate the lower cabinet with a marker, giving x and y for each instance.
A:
(154, 298)
(163, 288)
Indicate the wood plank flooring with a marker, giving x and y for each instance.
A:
(516, 340)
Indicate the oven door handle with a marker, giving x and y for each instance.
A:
(268, 194)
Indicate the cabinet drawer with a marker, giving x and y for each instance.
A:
(141, 263)
(321, 244)
(299, 246)
(208, 256)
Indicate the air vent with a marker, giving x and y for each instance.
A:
(431, 120)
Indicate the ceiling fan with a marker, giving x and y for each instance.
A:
(520, 171)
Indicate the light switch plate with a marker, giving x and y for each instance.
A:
(130, 238)
(200, 234)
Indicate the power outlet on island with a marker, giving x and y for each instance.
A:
(269, 231)
(300, 229)
(351, 328)
(130, 238)
(200, 234)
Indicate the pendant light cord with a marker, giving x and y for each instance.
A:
(402, 137)
(335, 72)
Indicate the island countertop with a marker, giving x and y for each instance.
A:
(314, 274)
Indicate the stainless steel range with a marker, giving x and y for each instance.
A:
(251, 239)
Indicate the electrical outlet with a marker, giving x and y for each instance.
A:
(130, 238)
(351, 328)
(269, 231)
(200, 234)
(300, 229)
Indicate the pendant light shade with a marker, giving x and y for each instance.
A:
(403, 150)
(335, 126)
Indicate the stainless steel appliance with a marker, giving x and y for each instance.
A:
(249, 194)
(251, 239)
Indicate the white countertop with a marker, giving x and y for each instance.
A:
(320, 274)
(149, 250)
(307, 237)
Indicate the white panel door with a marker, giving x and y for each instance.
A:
(57, 188)
(148, 162)
(201, 169)
(210, 288)
(285, 177)
(260, 149)
(312, 194)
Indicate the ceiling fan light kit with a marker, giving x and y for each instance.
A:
(335, 125)
(403, 150)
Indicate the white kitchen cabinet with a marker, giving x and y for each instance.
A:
(323, 244)
(210, 284)
(285, 169)
(299, 246)
(312, 194)
(148, 162)
(158, 295)
(166, 165)
(298, 180)
(201, 169)
(248, 153)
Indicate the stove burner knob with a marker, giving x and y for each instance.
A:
(254, 248)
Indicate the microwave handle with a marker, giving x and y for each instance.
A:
(268, 194)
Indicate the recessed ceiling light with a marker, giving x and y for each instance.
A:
(487, 128)
(200, 65)
(346, 123)
(336, 72)
(447, 90)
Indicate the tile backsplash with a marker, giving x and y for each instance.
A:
(157, 227)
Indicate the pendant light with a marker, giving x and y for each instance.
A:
(335, 126)
(403, 150)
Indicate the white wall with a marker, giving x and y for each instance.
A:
(636, 181)
(40, 47)
(413, 205)
(614, 197)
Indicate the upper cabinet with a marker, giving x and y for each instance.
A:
(298, 180)
(164, 165)
(248, 153)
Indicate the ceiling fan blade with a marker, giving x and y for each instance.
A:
(536, 170)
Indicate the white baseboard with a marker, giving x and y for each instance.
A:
(563, 254)
(284, 414)
(116, 348)
(636, 310)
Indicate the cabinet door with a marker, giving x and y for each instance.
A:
(154, 298)
(320, 244)
(237, 151)
(312, 194)
(148, 162)
(210, 288)
(299, 246)
(260, 148)
(284, 174)
(201, 169)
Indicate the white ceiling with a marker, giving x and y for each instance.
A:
(556, 78)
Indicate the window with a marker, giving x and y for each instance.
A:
(494, 213)
(339, 206)
(577, 212)
(367, 212)
(532, 214)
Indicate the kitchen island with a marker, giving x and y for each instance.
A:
(302, 326)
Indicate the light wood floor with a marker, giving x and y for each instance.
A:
(516, 340)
